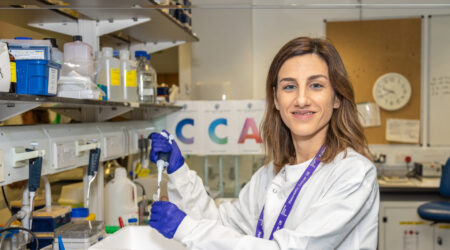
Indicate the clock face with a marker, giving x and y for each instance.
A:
(391, 91)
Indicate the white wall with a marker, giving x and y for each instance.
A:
(224, 52)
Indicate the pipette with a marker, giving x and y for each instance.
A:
(161, 164)
(94, 158)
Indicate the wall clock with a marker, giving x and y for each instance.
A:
(392, 91)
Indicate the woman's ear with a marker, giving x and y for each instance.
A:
(275, 100)
(337, 102)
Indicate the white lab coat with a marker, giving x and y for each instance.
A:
(337, 208)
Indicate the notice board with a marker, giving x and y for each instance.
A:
(439, 81)
(372, 48)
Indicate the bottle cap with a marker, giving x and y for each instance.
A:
(77, 38)
(132, 220)
(22, 38)
(140, 53)
(107, 51)
(124, 54)
(80, 212)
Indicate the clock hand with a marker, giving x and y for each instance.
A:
(388, 90)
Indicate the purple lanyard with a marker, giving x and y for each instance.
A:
(291, 199)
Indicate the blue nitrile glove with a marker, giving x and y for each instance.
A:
(165, 143)
(166, 217)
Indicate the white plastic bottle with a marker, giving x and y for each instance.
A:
(120, 199)
(108, 75)
(128, 77)
(146, 78)
(79, 56)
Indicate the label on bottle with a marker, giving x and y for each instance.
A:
(131, 78)
(147, 92)
(52, 81)
(115, 76)
(13, 72)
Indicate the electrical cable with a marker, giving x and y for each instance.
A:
(6, 200)
(23, 229)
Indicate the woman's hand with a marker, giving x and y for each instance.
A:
(166, 217)
(165, 143)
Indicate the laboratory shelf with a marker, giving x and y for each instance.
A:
(14, 104)
(161, 28)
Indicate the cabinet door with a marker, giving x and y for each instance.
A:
(442, 237)
(403, 229)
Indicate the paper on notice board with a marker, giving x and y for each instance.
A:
(403, 130)
(369, 114)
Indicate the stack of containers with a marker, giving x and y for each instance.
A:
(108, 75)
(128, 77)
(36, 73)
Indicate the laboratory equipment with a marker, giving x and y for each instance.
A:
(161, 165)
(120, 198)
(5, 68)
(94, 158)
(428, 169)
(108, 75)
(128, 77)
(146, 78)
(80, 235)
(47, 220)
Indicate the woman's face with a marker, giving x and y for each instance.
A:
(304, 96)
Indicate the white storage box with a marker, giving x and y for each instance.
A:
(137, 238)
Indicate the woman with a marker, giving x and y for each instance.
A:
(318, 188)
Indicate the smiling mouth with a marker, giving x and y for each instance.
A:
(303, 115)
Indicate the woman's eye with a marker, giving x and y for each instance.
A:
(289, 87)
(316, 86)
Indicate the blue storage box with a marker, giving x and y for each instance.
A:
(37, 77)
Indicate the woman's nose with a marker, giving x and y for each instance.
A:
(302, 98)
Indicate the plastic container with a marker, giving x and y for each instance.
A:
(80, 235)
(108, 75)
(72, 195)
(56, 55)
(78, 59)
(120, 198)
(128, 77)
(5, 68)
(146, 75)
(37, 77)
(79, 214)
(132, 221)
(24, 48)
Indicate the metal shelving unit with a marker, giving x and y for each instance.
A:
(81, 109)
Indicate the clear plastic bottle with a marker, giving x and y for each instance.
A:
(146, 76)
(108, 75)
(128, 77)
(79, 55)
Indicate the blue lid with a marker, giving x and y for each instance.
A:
(116, 53)
(22, 38)
(132, 220)
(140, 53)
(80, 212)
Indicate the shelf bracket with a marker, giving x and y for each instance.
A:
(91, 30)
(8, 110)
(106, 113)
(154, 47)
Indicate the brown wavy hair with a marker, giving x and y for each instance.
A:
(344, 130)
